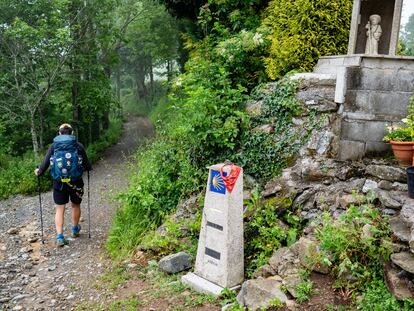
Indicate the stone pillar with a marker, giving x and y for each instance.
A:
(220, 252)
(396, 23)
(353, 34)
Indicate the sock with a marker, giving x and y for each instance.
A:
(60, 236)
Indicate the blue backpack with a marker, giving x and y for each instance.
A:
(66, 162)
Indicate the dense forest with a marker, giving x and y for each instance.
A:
(75, 62)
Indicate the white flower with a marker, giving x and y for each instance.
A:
(257, 39)
(405, 120)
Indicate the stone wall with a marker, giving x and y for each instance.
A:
(374, 92)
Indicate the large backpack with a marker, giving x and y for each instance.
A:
(66, 162)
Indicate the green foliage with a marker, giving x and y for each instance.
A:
(404, 132)
(175, 237)
(204, 122)
(276, 303)
(265, 154)
(228, 296)
(304, 30)
(406, 38)
(164, 175)
(354, 255)
(376, 297)
(17, 177)
(264, 232)
(304, 291)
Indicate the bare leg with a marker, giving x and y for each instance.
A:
(59, 218)
(76, 213)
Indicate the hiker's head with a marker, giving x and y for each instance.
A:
(65, 129)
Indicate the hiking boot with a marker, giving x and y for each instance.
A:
(61, 241)
(75, 230)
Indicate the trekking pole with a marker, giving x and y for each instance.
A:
(41, 210)
(89, 210)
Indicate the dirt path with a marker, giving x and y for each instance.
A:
(42, 277)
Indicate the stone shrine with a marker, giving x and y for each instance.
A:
(373, 90)
(390, 12)
(220, 252)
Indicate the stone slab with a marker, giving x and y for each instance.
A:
(404, 260)
(400, 229)
(397, 285)
(351, 150)
(200, 284)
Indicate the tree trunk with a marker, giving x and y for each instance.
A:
(34, 134)
(105, 120)
(76, 108)
(118, 82)
(151, 74)
(41, 134)
(169, 71)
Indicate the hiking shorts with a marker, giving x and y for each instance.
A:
(73, 190)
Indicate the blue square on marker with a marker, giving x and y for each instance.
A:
(216, 182)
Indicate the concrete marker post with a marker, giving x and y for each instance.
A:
(220, 253)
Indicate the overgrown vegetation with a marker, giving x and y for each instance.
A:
(356, 247)
(356, 256)
(268, 227)
(205, 122)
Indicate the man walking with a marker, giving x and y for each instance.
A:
(68, 159)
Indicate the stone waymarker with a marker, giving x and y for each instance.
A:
(220, 253)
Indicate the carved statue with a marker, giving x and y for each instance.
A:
(374, 32)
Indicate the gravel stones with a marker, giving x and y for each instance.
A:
(13, 231)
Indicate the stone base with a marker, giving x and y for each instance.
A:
(202, 285)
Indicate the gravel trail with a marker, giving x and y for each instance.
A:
(41, 277)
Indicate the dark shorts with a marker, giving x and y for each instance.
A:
(62, 192)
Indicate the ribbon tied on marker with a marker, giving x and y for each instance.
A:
(231, 178)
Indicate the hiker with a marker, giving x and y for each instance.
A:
(68, 160)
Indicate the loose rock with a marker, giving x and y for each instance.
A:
(398, 286)
(257, 294)
(175, 263)
(387, 172)
(405, 260)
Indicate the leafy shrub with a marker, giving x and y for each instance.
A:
(263, 154)
(304, 291)
(355, 257)
(264, 232)
(376, 297)
(17, 177)
(304, 30)
(176, 236)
